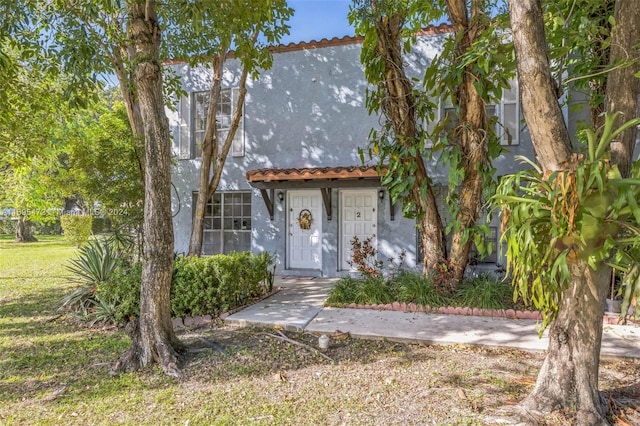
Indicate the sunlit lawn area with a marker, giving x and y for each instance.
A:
(55, 371)
(42, 353)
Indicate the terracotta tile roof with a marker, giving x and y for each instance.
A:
(312, 173)
(335, 41)
(340, 41)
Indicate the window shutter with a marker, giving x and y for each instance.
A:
(184, 139)
(510, 116)
(237, 147)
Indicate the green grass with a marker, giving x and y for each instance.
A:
(55, 371)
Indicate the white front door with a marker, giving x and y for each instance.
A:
(359, 218)
(305, 229)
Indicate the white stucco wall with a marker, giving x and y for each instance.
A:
(307, 111)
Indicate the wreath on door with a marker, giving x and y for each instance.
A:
(305, 219)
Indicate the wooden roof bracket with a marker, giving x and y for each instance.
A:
(326, 201)
(392, 208)
(268, 198)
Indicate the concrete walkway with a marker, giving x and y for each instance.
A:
(299, 306)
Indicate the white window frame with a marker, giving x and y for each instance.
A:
(510, 98)
(182, 144)
(226, 108)
(226, 216)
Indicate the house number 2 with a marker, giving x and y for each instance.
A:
(358, 214)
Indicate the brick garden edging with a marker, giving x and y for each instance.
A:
(203, 320)
(395, 306)
(451, 310)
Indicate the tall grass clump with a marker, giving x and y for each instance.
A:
(413, 287)
(485, 292)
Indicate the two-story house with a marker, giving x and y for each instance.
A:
(293, 183)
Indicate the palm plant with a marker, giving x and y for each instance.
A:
(551, 220)
(94, 265)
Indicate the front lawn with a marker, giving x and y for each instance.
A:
(55, 371)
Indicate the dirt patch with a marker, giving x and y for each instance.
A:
(382, 382)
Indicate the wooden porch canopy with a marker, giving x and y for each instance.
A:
(323, 178)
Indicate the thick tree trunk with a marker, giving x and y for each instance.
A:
(472, 135)
(23, 231)
(399, 107)
(623, 88)
(153, 339)
(538, 91)
(569, 375)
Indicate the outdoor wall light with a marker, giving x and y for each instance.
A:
(280, 196)
(381, 194)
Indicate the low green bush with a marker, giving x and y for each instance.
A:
(200, 286)
(77, 228)
(215, 284)
(122, 290)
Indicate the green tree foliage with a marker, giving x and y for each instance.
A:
(100, 163)
(554, 219)
(471, 71)
(579, 37)
(76, 227)
(33, 111)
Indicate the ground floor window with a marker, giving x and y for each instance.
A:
(474, 256)
(227, 222)
(440, 192)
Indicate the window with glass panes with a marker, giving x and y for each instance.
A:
(224, 115)
(227, 223)
(440, 192)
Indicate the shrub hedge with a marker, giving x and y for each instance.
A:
(200, 286)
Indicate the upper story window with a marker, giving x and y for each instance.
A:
(193, 120)
(508, 113)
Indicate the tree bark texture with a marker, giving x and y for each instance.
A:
(209, 144)
(132, 106)
(538, 92)
(569, 375)
(623, 88)
(214, 153)
(399, 107)
(471, 134)
(153, 338)
(23, 231)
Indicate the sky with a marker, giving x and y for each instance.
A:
(318, 19)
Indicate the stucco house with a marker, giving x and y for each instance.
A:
(293, 184)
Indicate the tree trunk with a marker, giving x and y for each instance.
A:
(214, 156)
(473, 139)
(153, 339)
(623, 88)
(130, 101)
(399, 108)
(209, 153)
(23, 231)
(569, 376)
(538, 91)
